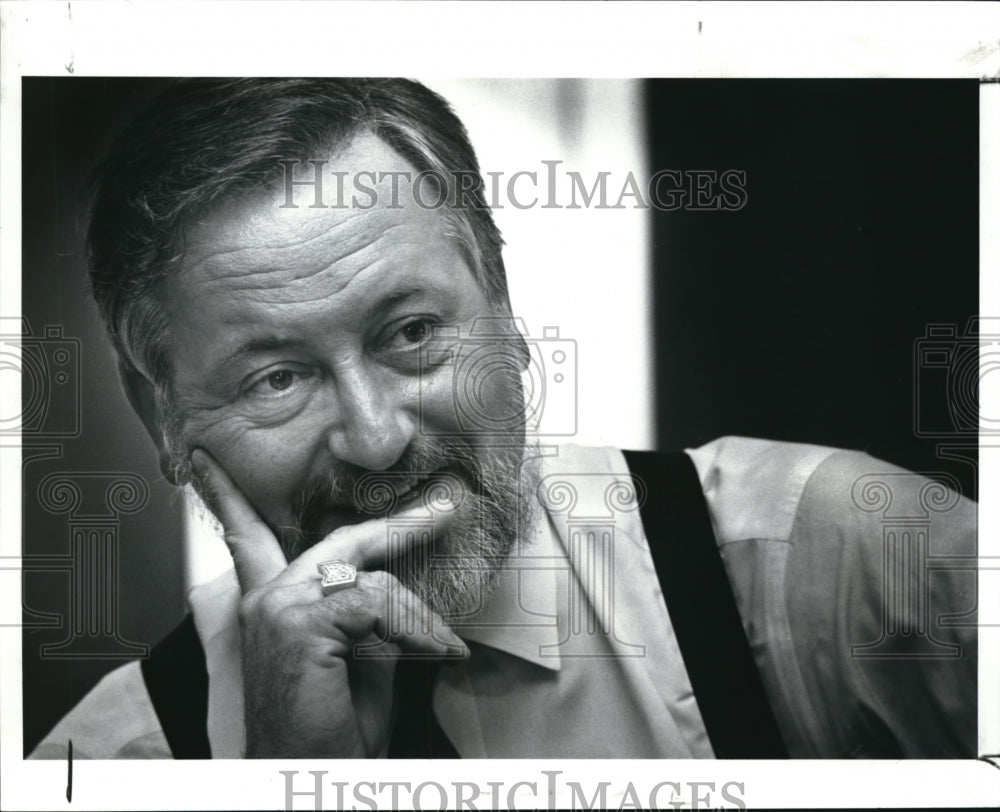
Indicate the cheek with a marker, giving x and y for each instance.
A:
(479, 395)
(270, 466)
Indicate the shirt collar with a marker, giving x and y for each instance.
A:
(521, 616)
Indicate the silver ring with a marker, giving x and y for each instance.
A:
(337, 575)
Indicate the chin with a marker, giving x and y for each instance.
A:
(455, 574)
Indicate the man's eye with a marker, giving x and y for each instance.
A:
(415, 332)
(276, 383)
(280, 380)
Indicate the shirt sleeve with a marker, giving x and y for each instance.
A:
(116, 720)
(856, 583)
(880, 590)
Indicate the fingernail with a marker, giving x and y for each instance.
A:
(199, 462)
(459, 652)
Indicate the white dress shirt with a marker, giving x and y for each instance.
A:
(574, 654)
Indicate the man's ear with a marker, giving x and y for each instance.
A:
(142, 395)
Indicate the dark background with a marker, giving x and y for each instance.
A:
(794, 318)
(797, 317)
(67, 124)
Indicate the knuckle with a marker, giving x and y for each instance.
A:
(234, 539)
(259, 604)
(352, 550)
(271, 603)
(246, 612)
(352, 601)
(356, 598)
(344, 546)
(378, 579)
(288, 620)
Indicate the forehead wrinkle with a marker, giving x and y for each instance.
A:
(320, 282)
(302, 289)
(210, 261)
(320, 295)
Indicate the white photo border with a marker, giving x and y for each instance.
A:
(454, 40)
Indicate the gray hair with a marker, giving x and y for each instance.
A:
(205, 140)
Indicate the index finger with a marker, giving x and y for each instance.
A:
(256, 553)
(370, 544)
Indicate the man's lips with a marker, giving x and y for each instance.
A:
(408, 492)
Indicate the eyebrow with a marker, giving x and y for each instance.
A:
(267, 343)
(388, 302)
(260, 344)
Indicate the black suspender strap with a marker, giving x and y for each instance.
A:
(177, 683)
(702, 608)
(417, 733)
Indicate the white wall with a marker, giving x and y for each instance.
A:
(584, 270)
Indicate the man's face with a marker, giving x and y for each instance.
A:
(296, 338)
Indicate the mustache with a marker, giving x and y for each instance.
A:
(375, 493)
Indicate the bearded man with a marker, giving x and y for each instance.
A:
(338, 374)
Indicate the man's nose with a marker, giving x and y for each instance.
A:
(373, 426)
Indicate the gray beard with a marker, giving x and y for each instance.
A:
(453, 575)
